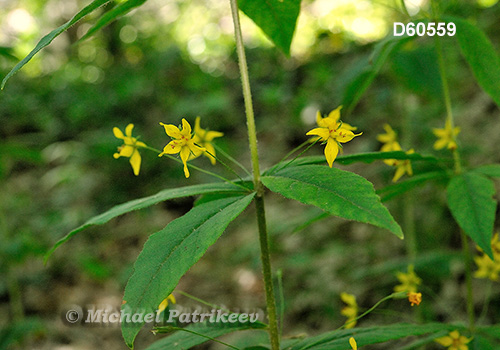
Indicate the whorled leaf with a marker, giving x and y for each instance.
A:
(169, 254)
(145, 202)
(470, 199)
(481, 56)
(336, 191)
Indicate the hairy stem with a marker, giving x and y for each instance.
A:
(259, 199)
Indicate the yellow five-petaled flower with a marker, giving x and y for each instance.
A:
(333, 132)
(204, 138)
(446, 136)
(182, 143)
(129, 147)
(454, 341)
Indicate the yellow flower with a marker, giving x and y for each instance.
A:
(351, 310)
(333, 132)
(129, 147)
(182, 143)
(454, 341)
(409, 281)
(353, 344)
(414, 298)
(446, 136)
(204, 138)
(487, 268)
(403, 166)
(163, 305)
(388, 138)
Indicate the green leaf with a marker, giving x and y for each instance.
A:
(121, 9)
(276, 18)
(490, 170)
(145, 202)
(339, 340)
(471, 204)
(480, 55)
(47, 39)
(336, 191)
(184, 339)
(169, 254)
(357, 87)
(398, 188)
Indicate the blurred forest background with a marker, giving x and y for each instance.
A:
(173, 59)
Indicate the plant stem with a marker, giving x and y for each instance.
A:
(266, 271)
(247, 94)
(259, 199)
(458, 170)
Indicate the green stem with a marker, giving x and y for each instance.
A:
(247, 94)
(266, 271)
(458, 170)
(259, 199)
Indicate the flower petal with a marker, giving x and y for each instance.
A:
(172, 147)
(319, 120)
(344, 135)
(208, 153)
(331, 151)
(127, 151)
(210, 135)
(335, 114)
(400, 171)
(184, 153)
(128, 130)
(186, 128)
(135, 161)
(172, 130)
(140, 144)
(352, 343)
(444, 341)
(323, 133)
(197, 126)
(440, 143)
(118, 133)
